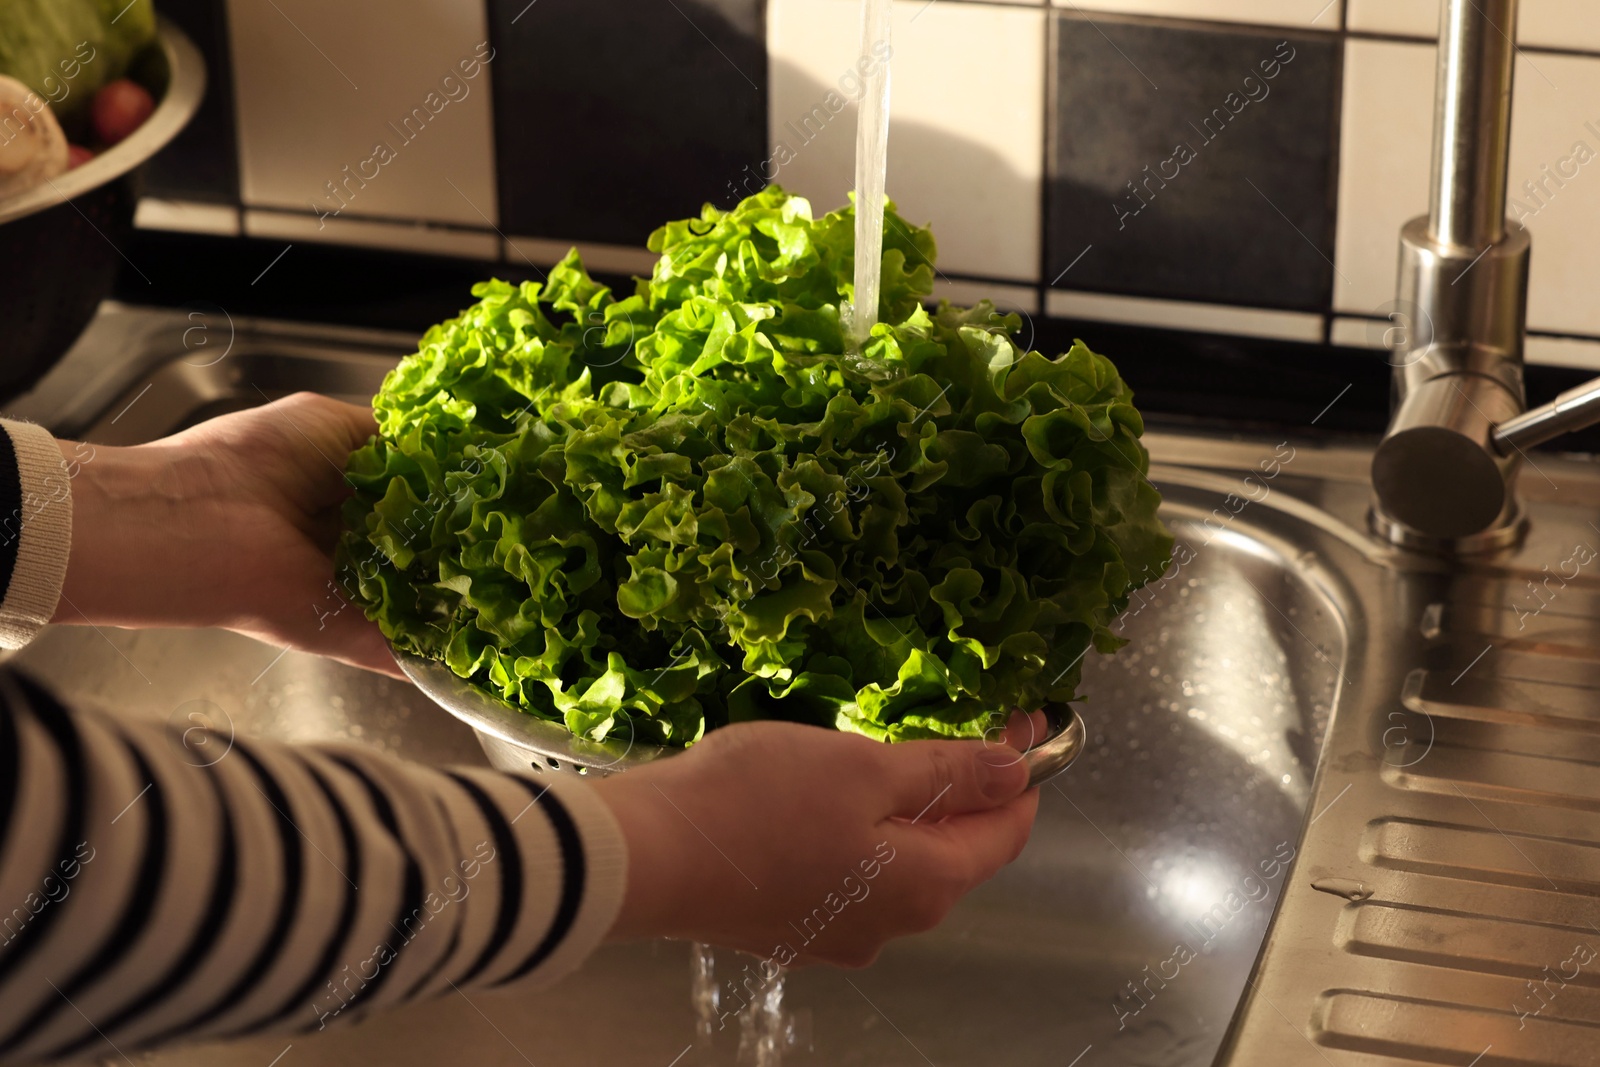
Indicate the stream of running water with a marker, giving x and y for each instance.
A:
(766, 1030)
(872, 165)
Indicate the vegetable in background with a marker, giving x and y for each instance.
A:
(65, 50)
(649, 516)
(32, 147)
(128, 26)
(120, 108)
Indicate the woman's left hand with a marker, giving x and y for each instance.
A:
(231, 523)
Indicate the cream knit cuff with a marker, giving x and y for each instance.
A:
(42, 524)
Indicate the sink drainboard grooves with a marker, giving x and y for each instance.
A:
(1432, 1032)
(1480, 928)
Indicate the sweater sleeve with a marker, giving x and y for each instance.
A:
(159, 884)
(35, 529)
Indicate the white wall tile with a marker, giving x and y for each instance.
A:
(1546, 23)
(186, 216)
(1572, 352)
(1007, 298)
(966, 137)
(1559, 23)
(1385, 153)
(1355, 333)
(1378, 334)
(1412, 18)
(1386, 156)
(318, 85)
(1301, 14)
(1538, 350)
(1549, 120)
(296, 227)
(1183, 315)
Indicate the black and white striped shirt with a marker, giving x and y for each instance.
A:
(149, 895)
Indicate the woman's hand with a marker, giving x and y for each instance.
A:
(807, 845)
(792, 842)
(230, 523)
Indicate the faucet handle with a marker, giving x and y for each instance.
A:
(1573, 410)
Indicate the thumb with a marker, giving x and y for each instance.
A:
(342, 425)
(928, 780)
(362, 644)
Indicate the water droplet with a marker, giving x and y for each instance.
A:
(1347, 888)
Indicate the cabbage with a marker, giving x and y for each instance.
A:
(129, 25)
(65, 50)
(649, 516)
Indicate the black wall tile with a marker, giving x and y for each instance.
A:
(201, 163)
(613, 116)
(1249, 218)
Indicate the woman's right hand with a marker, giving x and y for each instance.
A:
(801, 844)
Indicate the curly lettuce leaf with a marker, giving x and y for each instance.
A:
(650, 516)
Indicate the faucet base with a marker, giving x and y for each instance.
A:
(1506, 534)
(1440, 483)
(1467, 307)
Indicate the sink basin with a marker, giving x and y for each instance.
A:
(1175, 828)
(1250, 864)
(1130, 923)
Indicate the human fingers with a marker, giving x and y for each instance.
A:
(929, 780)
(928, 869)
(331, 421)
(1023, 730)
(362, 644)
(975, 845)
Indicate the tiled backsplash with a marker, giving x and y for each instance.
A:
(1236, 167)
(966, 121)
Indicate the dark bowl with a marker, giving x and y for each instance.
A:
(63, 240)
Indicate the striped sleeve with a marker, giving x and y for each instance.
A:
(157, 886)
(35, 529)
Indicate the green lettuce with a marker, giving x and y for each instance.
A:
(649, 516)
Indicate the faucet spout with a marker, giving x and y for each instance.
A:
(1472, 122)
(1440, 481)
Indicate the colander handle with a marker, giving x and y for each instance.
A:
(1058, 751)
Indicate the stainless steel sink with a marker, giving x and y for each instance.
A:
(1285, 696)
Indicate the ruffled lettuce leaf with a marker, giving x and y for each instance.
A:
(648, 516)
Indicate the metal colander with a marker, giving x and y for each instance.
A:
(516, 741)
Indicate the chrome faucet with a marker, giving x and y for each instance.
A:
(1444, 476)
